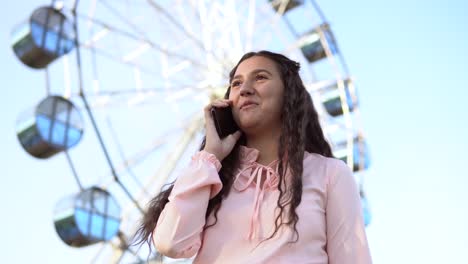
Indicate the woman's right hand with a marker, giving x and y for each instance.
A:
(214, 145)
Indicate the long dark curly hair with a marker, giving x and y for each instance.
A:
(300, 131)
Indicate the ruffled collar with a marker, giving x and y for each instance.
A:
(248, 155)
(251, 174)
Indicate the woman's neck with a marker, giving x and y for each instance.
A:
(267, 144)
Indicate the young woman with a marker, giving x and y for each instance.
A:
(269, 193)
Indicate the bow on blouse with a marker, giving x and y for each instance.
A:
(252, 173)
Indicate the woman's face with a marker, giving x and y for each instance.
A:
(257, 94)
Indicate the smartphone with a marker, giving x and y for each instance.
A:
(224, 121)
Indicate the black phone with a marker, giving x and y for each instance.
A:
(224, 121)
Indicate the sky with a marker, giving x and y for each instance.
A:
(409, 59)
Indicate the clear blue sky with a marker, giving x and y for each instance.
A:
(409, 59)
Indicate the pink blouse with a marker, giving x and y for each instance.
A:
(330, 226)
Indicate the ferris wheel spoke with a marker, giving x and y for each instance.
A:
(206, 17)
(119, 248)
(273, 24)
(127, 164)
(158, 8)
(134, 91)
(113, 57)
(140, 38)
(159, 179)
(143, 97)
(184, 14)
(178, 25)
(233, 18)
(135, 159)
(250, 25)
(141, 68)
(106, 27)
(163, 173)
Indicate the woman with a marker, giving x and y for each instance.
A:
(269, 193)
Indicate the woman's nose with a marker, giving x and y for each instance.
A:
(246, 89)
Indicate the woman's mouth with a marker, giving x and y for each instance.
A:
(248, 105)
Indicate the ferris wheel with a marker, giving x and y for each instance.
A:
(125, 85)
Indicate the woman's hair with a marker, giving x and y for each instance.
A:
(300, 131)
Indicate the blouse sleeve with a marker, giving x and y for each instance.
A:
(346, 237)
(179, 229)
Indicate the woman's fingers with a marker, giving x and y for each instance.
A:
(219, 147)
(221, 103)
(216, 103)
(207, 110)
(232, 139)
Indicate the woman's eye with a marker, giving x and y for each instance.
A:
(235, 84)
(261, 77)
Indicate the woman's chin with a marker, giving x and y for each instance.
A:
(249, 125)
(247, 122)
